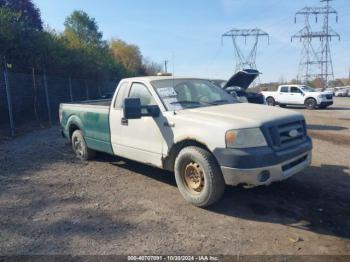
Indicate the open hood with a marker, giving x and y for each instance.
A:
(242, 79)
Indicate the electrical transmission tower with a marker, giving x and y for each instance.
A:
(316, 62)
(245, 61)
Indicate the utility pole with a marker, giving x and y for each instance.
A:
(8, 95)
(245, 61)
(326, 28)
(316, 62)
(47, 96)
(166, 66)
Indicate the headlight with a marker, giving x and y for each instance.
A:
(245, 138)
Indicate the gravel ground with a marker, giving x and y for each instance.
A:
(51, 203)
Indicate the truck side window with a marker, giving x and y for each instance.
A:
(122, 93)
(294, 89)
(140, 91)
(284, 89)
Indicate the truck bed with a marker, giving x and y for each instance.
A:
(101, 102)
(92, 117)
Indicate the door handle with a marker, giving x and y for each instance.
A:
(124, 121)
(169, 124)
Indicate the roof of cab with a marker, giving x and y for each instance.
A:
(153, 78)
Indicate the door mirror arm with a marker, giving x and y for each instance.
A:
(152, 110)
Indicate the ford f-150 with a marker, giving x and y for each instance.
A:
(194, 128)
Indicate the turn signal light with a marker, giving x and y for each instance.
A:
(230, 137)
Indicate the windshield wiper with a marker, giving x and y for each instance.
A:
(218, 102)
(193, 103)
(196, 103)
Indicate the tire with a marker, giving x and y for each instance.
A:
(310, 103)
(80, 148)
(198, 176)
(270, 101)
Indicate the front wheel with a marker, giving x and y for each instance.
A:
(270, 101)
(310, 103)
(198, 176)
(80, 148)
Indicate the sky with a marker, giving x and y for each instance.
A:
(187, 33)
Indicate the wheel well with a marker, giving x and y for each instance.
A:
(310, 98)
(169, 161)
(72, 128)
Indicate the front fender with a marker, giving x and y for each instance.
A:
(202, 135)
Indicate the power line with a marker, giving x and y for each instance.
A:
(245, 61)
(316, 62)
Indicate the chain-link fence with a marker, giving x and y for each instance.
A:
(33, 98)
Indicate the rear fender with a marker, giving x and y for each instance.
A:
(73, 123)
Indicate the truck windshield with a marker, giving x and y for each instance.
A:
(190, 93)
(308, 89)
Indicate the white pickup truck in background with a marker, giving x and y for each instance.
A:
(298, 95)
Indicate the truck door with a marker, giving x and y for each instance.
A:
(283, 95)
(116, 114)
(296, 96)
(141, 139)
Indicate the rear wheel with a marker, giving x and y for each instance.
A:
(80, 148)
(310, 103)
(270, 101)
(198, 176)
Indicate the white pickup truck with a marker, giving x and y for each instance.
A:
(298, 95)
(194, 128)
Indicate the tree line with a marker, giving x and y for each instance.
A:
(79, 51)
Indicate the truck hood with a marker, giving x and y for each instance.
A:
(240, 115)
(243, 79)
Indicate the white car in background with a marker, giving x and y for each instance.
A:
(330, 90)
(342, 92)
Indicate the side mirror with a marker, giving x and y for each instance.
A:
(132, 108)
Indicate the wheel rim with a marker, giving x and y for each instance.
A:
(78, 147)
(270, 102)
(310, 104)
(193, 178)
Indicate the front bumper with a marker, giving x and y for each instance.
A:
(262, 166)
(325, 103)
(266, 175)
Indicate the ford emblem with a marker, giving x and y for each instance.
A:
(293, 133)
